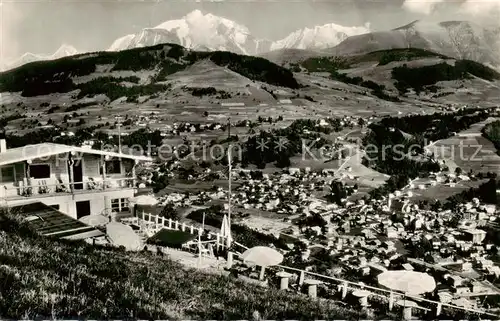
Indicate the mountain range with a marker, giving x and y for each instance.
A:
(458, 39)
(63, 51)
(207, 32)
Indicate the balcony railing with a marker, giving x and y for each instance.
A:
(40, 187)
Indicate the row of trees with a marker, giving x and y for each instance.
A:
(419, 78)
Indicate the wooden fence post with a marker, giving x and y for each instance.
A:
(344, 290)
(301, 278)
(438, 309)
(229, 260)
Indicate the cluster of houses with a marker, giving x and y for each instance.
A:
(177, 129)
(370, 240)
(289, 192)
(365, 236)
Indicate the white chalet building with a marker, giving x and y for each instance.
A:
(77, 181)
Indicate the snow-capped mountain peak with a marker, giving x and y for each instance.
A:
(121, 42)
(194, 30)
(63, 51)
(319, 37)
(458, 39)
(204, 30)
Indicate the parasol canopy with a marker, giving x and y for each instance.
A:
(145, 200)
(123, 235)
(409, 282)
(262, 256)
(94, 220)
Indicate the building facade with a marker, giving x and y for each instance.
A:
(76, 181)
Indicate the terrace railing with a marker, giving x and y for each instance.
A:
(343, 286)
(389, 297)
(40, 187)
(154, 223)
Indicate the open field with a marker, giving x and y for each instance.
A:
(469, 151)
(329, 98)
(441, 191)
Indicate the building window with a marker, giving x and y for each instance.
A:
(119, 205)
(20, 172)
(40, 171)
(7, 175)
(114, 167)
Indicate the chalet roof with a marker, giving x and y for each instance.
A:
(48, 221)
(28, 152)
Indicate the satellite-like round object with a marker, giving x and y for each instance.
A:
(262, 256)
(409, 282)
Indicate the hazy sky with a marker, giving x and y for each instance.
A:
(41, 26)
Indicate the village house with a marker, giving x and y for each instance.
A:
(74, 180)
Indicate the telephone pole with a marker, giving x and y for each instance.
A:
(229, 238)
(119, 124)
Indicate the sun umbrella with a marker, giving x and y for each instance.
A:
(262, 256)
(123, 235)
(409, 282)
(145, 200)
(94, 220)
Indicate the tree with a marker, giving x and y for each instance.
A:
(283, 161)
(337, 192)
(170, 212)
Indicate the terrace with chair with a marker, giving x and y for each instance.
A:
(47, 169)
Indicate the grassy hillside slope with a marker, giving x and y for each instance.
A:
(417, 77)
(44, 278)
(45, 77)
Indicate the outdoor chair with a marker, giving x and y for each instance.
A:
(91, 184)
(43, 188)
(61, 187)
(26, 190)
(99, 182)
(112, 184)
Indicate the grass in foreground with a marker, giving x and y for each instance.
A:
(45, 278)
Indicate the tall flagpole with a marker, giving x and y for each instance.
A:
(229, 237)
(229, 161)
